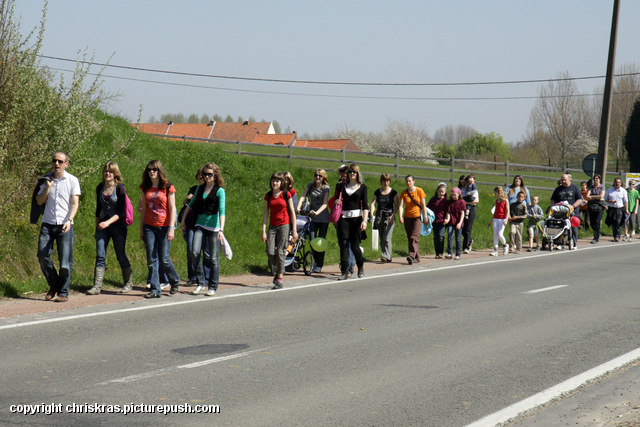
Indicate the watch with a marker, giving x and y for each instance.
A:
(70, 220)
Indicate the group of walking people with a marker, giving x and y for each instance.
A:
(56, 198)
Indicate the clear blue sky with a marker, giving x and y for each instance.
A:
(340, 41)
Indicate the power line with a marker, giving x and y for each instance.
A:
(340, 96)
(180, 73)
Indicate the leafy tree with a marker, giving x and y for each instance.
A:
(445, 150)
(217, 118)
(193, 118)
(252, 119)
(153, 119)
(481, 144)
(229, 119)
(175, 118)
(632, 138)
(276, 126)
(205, 118)
(405, 138)
(240, 119)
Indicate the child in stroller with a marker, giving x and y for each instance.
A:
(556, 228)
(298, 253)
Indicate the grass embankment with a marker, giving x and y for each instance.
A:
(247, 179)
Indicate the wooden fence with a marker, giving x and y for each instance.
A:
(450, 168)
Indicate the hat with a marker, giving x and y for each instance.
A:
(456, 190)
(442, 183)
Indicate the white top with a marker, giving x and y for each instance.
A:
(619, 196)
(58, 205)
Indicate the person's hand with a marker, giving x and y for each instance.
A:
(103, 225)
(363, 225)
(294, 234)
(264, 236)
(220, 233)
(171, 234)
(458, 226)
(401, 219)
(67, 226)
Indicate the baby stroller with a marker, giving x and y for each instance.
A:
(299, 254)
(556, 228)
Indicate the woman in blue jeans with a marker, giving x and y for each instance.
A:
(110, 224)
(158, 202)
(209, 204)
(187, 235)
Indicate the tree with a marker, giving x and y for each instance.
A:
(240, 119)
(404, 138)
(229, 119)
(205, 118)
(558, 116)
(193, 118)
(632, 138)
(453, 134)
(358, 137)
(482, 144)
(276, 127)
(217, 118)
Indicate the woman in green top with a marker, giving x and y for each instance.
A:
(209, 203)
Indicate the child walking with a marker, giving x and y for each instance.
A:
(439, 205)
(281, 214)
(518, 210)
(454, 220)
(535, 215)
(500, 215)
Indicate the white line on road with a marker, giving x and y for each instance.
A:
(556, 392)
(535, 291)
(325, 283)
(170, 369)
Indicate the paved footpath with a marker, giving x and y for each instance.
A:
(612, 402)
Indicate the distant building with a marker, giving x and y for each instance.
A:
(247, 132)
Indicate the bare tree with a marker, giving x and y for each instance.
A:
(453, 134)
(558, 117)
(358, 137)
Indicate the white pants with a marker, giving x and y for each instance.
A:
(498, 232)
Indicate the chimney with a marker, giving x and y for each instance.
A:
(170, 123)
(246, 123)
(211, 123)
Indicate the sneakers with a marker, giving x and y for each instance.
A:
(505, 249)
(466, 251)
(457, 258)
(148, 285)
(448, 256)
(174, 289)
(198, 290)
(152, 295)
(410, 259)
(164, 286)
(317, 270)
(494, 253)
(210, 292)
(517, 252)
(277, 284)
(529, 250)
(470, 243)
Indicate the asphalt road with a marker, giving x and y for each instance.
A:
(439, 345)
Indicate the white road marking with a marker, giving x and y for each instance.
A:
(558, 391)
(535, 291)
(331, 282)
(170, 369)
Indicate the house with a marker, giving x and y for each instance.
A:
(244, 132)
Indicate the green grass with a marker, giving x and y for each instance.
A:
(247, 179)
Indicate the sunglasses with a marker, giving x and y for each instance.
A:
(58, 161)
(207, 175)
(317, 176)
(350, 172)
(152, 170)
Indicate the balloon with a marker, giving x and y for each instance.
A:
(575, 221)
(319, 244)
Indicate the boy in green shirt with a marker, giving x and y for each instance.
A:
(632, 221)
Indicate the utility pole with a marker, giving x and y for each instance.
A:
(603, 142)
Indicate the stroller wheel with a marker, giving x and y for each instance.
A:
(309, 263)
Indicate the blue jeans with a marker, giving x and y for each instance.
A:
(157, 245)
(204, 238)
(206, 263)
(58, 281)
(458, 232)
(318, 229)
(438, 237)
(118, 233)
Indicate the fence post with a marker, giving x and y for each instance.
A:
(344, 159)
(495, 164)
(453, 172)
(290, 155)
(184, 137)
(397, 165)
(507, 174)
(239, 147)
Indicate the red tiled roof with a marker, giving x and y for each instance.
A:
(275, 139)
(223, 131)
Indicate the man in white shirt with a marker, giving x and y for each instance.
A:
(60, 196)
(618, 207)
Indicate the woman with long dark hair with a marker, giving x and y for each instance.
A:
(516, 187)
(209, 204)
(388, 204)
(158, 202)
(596, 206)
(111, 225)
(352, 222)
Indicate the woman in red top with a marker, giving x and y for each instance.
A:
(500, 215)
(439, 205)
(279, 209)
(158, 210)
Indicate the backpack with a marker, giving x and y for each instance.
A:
(128, 207)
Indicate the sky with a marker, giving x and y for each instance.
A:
(345, 41)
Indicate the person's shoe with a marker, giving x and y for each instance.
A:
(494, 253)
(410, 259)
(164, 286)
(174, 289)
(470, 243)
(152, 295)
(148, 285)
(594, 241)
(198, 290)
(560, 247)
(615, 239)
(448, 256)
(573, 248)
(126, 279)
(344, 276)
(49, 296)
(529, 250)
(466, 251)
(505, 249)
(317, 270)
(360, 272)
(62, 298)
(457, 258)
(416, 260)
(278, 285)
(210, 292)
(97, 281)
